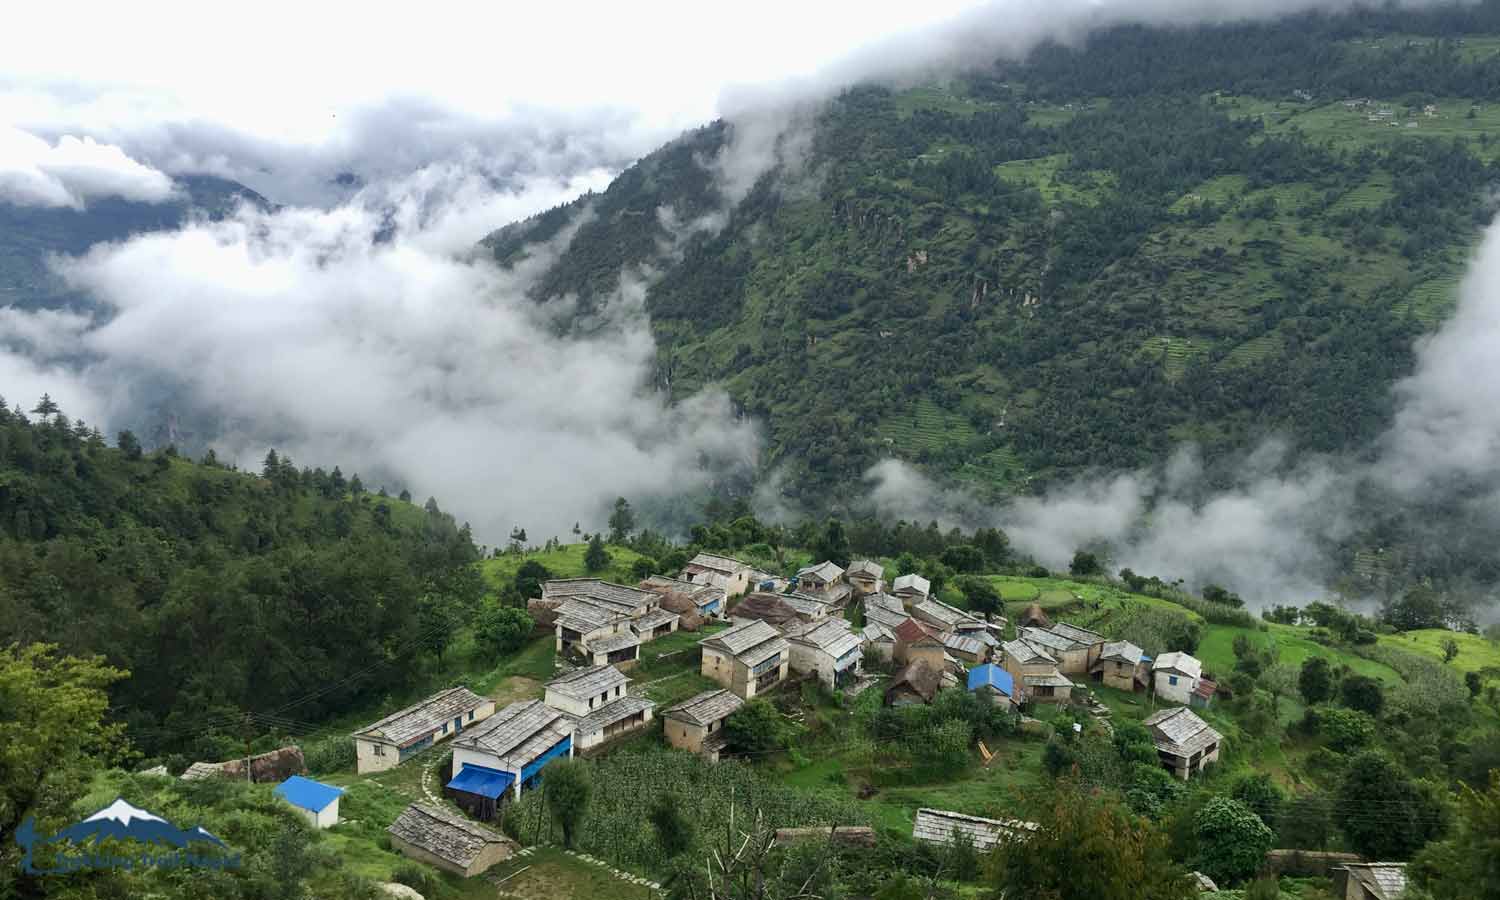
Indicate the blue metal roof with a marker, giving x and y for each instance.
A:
(559, 749)
(482, 780)
(308, 794)
(994, 676)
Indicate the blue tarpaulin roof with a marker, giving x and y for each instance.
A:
(482, 780)
(308, 794)
(994, 676)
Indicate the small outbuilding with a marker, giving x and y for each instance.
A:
(1122, 665)
(697, 724)
(1175, 676)
(944, 828)
(622, 650)
(819, 577)
(917, 683)
(1184, 742)
(994, 684)
(1370, 881)
(450, 842)
(865, 576)
(315, 801)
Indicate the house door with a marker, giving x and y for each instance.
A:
(458, 724)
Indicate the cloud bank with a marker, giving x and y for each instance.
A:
(72, 171)
(1270, 533)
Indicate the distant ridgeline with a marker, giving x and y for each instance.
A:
(227, 596)
(1077, 261)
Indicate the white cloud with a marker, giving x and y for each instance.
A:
(72, 171)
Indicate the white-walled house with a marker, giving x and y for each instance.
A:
(315, 801)
(912, 589)
(505, 753)
(720, 571)
(1175, 675)
(390, 741)
(819, 577)
(598, 700)
(830, 649)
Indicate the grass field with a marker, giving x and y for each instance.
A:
(565, 562)
(1216, 650)
(1475, 653)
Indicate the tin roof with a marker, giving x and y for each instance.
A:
(960, 644)
(587, 682)
(991, 675)
(423, 717)
(1123, 651)
(705, 708)
(307, 794)
(912, 631)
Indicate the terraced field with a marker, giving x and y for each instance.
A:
(926, 427)
(1254, 351)
(1431, 301)
(1176, 353)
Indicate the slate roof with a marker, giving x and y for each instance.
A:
(582, 615)
(519, 733)
(883, 600)
(1081, 635)
(938, 826)
(1381, 880)
(874, 631)
(824, 571)
(445, 835)
(701, 594)
(606, 592)
(1048, 640)
(654, 620)
(705, 708)
(911, 582)
(832, 637)
(1051, 679)
(726, 565)
(612, 642)
(865, 567)
(942, 613)
(1180, 732)
(888, 618)
(610, 713)
(423, 717)
(588, 682)
(960, 644)
(806, 605)
(1123, 651)
(1179, 662)
(1026, 652)
(748, 644)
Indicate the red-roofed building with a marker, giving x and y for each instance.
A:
(918, 641)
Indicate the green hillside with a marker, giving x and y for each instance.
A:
(1079, 260)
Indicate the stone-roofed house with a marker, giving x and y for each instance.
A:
(879, 639)
(1370, 881)
(1075, 649)
(1184, 742)
(829, 649)
(632, 601)
(1122, 665)
(385, 744)
(945, 617)
(621, 650)
(1175, 676)
(917, 640)
(886, 610)
(514, 744)
(865, 576)
(579, 620)
(654, 624)
(748, 658)
(819, 577)
(965, 649)
(705, 600)
(449, 841)
(1049, 687)
(912, 589)
(810, 608)
(917, 682)
(697, 724)
(598, 700)
(1021, 657)
(723, 572)
(941, 827)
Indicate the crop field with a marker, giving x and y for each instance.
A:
(926, 427)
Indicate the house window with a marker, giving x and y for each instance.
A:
(471, 715)
(379, 750)
(1171, 679)
(591, 703)
(445, 728)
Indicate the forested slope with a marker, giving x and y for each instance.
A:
(1077, 261)
(237, 603)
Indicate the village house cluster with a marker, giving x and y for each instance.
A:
(779, 629)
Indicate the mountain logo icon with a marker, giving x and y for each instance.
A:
(118, 821)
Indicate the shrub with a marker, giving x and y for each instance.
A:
(1345, 730)
(417, 877)
(1232, 840)
(334, 753)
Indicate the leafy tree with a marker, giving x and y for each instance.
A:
(1420, 607)
(674, 831)
(1308, 823)
(621, 522)
(129, 445)
(1085, 563)
(1474, 683)
(833, 544)
(980, 594)
(1232, 840)
(1315, 682)
(596, 558)
(1088, 847)
(1465, 866)
(567, 784)
(1384, 814)
(404, 496)
(1261, 794)
(1450, 650)
(52, 738)
(755, 728)
(503, 629)
(1346, 730)
(1265, 888)
(45, 407)
(1214, 593)
(963, 558)
(1363, 693)
(643, 567)
(529, 578)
